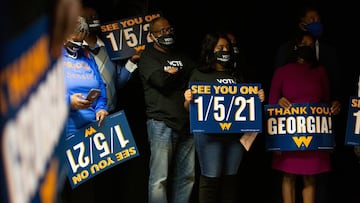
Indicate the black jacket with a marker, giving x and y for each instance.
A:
(164, 92)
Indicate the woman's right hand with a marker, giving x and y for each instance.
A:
(78, 101)
(284, 103)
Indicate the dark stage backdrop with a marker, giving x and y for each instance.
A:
(261, 27)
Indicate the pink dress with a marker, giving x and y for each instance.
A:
(300, 83)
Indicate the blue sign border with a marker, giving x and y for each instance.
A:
(235, 107)
(93, 150)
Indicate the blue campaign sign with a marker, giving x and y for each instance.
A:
(124, 37)
(353, 122)
(32, 85)
(92, 149)
(230, 108)
(305, 126)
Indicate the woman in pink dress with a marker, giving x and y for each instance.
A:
(303, 80)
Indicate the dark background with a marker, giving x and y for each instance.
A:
(261, 27)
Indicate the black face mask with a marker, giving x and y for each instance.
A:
(73, 47)
(166, 41)
(223, 58)
(94, 25)
(307, 53)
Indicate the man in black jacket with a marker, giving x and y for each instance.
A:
(164, 73)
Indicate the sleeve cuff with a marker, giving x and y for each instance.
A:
(130, 66)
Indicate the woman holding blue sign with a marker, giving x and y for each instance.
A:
(219, 155)
(82, 82)
(303, 80)
(81, 75)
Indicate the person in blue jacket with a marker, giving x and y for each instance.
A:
(81, 75)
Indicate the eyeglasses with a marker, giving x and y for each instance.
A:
(165, 31)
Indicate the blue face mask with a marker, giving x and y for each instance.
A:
(315, 28)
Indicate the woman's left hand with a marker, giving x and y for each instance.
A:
(261, 94)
